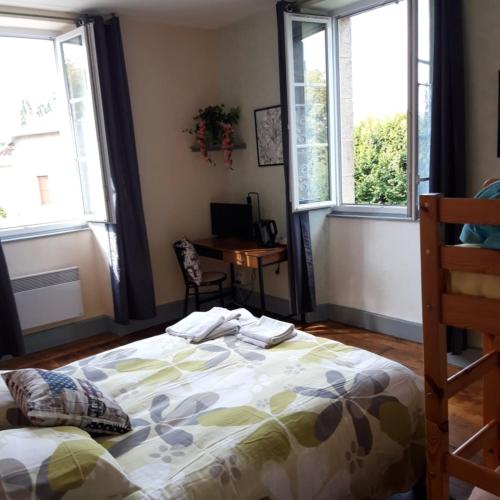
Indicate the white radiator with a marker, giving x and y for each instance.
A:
(48, 297)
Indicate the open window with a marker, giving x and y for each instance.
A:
(359, 104)
(82, 94)
(310, 108)
(54, 172)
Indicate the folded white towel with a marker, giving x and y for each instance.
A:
(196, 326)
(268, 330)
(263, 345)
(245, 317)
(226, 313)
(231, 327)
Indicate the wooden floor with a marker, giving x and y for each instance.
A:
(465, 409)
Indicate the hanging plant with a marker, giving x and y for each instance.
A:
(214, 128)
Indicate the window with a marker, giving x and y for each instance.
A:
(51, 156)
(359, 108)
(309, 74)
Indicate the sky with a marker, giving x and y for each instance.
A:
(24, 61)
(379, 58)
(379, 61)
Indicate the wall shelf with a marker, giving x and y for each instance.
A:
(237, 145)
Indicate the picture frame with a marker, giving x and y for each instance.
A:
(268, 136)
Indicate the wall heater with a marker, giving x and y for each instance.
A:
(48, 297)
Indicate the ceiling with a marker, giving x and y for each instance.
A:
(200, 13)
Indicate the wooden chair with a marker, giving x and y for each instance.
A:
(209, 279)
(440, 308)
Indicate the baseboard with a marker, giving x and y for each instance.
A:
(276, 305)
(400, 328)
(63, 334)
(59, 335)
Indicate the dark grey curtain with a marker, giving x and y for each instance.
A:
(447, 168)
(300, 259)
(11, 337)
(132, 277)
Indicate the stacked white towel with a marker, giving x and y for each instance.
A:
(266, 332)
(203, 326)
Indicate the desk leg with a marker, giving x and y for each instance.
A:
(261, 288)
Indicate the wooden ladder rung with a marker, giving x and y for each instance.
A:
(474, 313)
(471, 373)
(479, 441)
(470, 260)
(467, 211)
(474, 474)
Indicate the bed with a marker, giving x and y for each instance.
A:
(310, 418)
(471, 283)
(460, 288)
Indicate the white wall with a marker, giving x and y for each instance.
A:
(172, 72)
(375, 266)
(249, 78)
(66, 250)
(482, 53)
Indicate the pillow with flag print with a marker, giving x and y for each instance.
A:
(48, 398)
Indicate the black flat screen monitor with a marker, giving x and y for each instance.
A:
(231, 219)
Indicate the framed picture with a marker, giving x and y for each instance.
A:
(268, 135)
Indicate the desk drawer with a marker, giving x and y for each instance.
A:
(241, 259)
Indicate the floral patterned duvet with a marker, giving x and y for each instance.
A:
(310, 418)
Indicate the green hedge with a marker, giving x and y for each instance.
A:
(380, 160)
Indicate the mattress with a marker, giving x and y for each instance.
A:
(311, 418)
(480, 285)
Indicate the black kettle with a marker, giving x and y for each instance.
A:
(266, 232)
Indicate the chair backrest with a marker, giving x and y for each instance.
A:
(189, 262)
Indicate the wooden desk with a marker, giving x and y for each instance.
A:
(237, 252)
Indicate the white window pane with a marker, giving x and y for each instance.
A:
(424, 72)
(423, 188)
(373, 64)
(38, 179)
(309, 98)
(81, 106)
(424, 130)
(424, 28)
(314, 183)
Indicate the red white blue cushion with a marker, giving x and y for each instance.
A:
(49, 398)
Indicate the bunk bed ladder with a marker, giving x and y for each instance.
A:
(441, 309)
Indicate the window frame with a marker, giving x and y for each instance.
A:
(86, 32)
(409, 211)
(28, 231)
(332, 112)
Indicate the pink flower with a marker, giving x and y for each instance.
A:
(227, 143)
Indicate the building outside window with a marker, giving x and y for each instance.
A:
(44, 188)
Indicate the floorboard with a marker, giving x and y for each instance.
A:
(464, 409)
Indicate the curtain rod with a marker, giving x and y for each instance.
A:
(38, 16)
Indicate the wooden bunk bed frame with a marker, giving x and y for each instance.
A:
(442, 308)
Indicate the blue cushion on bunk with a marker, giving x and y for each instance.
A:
(487, 236)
